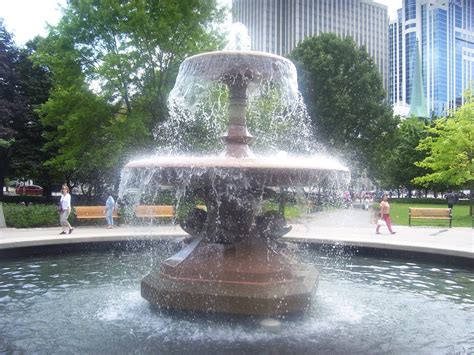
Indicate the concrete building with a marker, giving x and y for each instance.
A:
(431, 50)
(277, 26)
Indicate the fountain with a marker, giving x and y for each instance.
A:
(233, 263)
(85, 298)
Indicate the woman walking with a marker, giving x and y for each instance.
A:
(65, 210)
(385, 215)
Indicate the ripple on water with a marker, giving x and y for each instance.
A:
(362, 305)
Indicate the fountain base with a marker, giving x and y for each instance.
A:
(245, 278)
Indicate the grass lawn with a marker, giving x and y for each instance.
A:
(399, 215)
(291, 210)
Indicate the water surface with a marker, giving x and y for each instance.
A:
(91, 303)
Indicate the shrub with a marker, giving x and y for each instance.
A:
(429, 200)
(42, 200)
(30, 216)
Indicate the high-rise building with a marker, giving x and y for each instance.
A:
(438, 37)
(277, 26)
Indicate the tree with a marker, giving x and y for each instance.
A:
(400, 168)
(344, 94)
(28, 156)
(450, 149)
(11, 105)
(23, 87)
(113, 64)
(132, 50)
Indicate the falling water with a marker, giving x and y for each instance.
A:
(198, 103)
(198, 117)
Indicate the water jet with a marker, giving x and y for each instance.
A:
(232, 265)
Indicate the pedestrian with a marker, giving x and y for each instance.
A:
(365, 203)
(109, 210)
(451, 199)
(65, 210)
(385, 214)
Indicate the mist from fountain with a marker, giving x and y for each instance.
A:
(234, 263)
(199, 102)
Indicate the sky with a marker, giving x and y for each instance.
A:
(28, 18)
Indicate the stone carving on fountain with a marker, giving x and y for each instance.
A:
(234, 263)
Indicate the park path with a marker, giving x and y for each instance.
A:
(350, 227)
(355, 227)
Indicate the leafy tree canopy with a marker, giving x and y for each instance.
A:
(113, 64)
(400, 168)
(450, 149)
(27, 153)
(344, 94)
(11, 99)
(130, 51)
(23, 87)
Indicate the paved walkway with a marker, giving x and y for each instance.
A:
(354, 227)
(343, 227)
(13, 238)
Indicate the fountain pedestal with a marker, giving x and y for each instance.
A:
(245, 278)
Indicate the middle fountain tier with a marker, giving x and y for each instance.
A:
(234, 262)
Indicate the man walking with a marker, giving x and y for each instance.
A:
(451, 198)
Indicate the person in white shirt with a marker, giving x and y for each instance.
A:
(65, 210)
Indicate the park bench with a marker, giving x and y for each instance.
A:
(430, 213)
(92, 212)
(154, 211)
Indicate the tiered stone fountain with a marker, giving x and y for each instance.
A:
(233, 263)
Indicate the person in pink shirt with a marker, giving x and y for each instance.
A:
(385, 215)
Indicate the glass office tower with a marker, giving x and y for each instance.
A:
(442, 31)
(277, 26)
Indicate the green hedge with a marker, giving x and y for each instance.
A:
(429, 200)
(30, 199)
(30, 216)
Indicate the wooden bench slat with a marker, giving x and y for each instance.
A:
(429, 213)
(154, 211)
(430, 217)
(92, 212)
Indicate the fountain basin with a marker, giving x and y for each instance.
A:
(89, 302)
(232, 297)
(238, 279)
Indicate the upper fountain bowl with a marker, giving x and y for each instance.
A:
(257, 69)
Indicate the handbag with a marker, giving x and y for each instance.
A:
(381, 222)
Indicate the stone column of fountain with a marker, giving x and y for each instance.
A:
(238, 137)
(232, 264)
